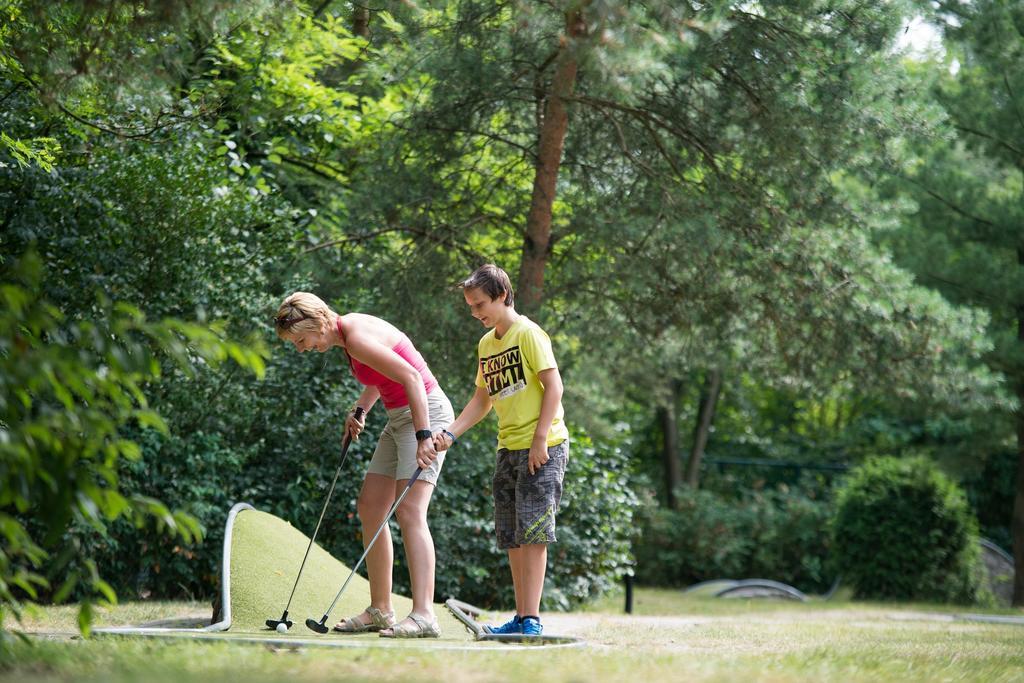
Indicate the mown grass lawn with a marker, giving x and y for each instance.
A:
(669, 637)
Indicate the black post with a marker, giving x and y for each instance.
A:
(629, 593)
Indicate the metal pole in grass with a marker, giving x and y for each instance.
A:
(284, 620)
(321, 626)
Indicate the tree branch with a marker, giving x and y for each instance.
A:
(428, 235)
(17, 86)
(312, 167)
(977, 294)
(1013, 98)
(468, 131)
(121, 132)
(951, 205)
(652, 119)
(624, 146)
(987, 136)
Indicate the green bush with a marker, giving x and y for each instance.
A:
(145, 563)
(69, 392)
(595, 525)
(903, 530)
(775, 534)
(170, 229)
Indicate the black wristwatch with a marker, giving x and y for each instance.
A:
(423, 434)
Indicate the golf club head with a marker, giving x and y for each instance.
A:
(272, 623)
(318, 626)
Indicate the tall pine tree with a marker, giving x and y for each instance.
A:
(966, 237)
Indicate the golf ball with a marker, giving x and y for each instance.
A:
(282, 628)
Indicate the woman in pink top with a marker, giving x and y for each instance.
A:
(383, 359)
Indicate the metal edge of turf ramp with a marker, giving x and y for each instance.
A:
(466, 613)
(225, 623)
(225, 582)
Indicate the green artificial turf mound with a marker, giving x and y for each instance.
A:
(265, 555)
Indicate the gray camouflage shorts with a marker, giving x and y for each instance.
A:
(525, 505)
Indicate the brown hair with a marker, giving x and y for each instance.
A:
(492, 281)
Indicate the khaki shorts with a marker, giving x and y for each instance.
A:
(395, 456)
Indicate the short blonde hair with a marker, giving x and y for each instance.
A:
(301, 312)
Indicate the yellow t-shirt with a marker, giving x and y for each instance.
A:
(508, 369)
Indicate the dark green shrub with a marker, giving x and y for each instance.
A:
(777, 534)
(145, 563)
(791, 539)
(903, 530)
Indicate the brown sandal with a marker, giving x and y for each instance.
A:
(378, 620)
(419, 628)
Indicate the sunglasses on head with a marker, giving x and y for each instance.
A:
(285, 322)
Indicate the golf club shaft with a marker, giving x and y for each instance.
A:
(330, 492)
(408, 487)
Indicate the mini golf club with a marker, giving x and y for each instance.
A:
(284, 623)
(321, 626)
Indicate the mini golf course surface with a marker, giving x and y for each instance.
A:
(262, 555)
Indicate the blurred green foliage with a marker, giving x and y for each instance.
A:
(776, 534)
(70, 391)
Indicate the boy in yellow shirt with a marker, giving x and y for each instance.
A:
(518, 377)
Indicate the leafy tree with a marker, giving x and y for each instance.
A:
(963, 233)
(139, 205)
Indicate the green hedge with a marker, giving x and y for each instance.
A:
(903, 530)
(775, 534)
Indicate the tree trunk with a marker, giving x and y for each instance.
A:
(1017, 524)
(361, 21)
(705, 416)
(553, 127)
(670, 444)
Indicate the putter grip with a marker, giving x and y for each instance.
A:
(357, 413)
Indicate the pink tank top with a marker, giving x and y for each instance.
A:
(391, 392)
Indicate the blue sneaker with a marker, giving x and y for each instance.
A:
(532, 627)
(513, 625)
